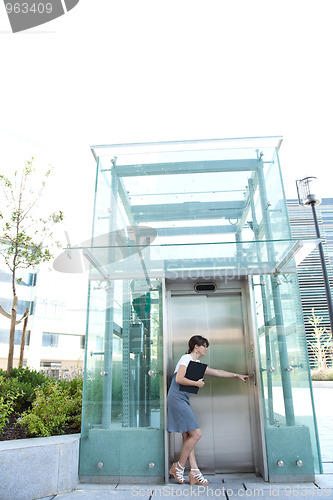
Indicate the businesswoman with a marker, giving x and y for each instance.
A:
(180, 415)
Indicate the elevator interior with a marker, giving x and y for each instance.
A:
(227, 411)
(168, 216)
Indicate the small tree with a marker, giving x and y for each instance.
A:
(25, 239)
(321, 342)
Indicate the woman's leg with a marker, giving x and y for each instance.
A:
(191, 458)
(195, 475)
(188, 446)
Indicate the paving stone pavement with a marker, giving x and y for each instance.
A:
(225, 486)
(229, 486)
(219, 487)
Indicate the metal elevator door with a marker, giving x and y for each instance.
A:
(222, 406)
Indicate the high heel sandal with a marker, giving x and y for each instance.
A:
(197, 478)
(177, 471)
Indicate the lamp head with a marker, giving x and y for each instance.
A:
(306, 191)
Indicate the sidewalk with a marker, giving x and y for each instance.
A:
(229, 486)
(225, 486)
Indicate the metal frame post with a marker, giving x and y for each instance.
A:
(265, 306)
(281, 335)
(109, 314)
(324, 268)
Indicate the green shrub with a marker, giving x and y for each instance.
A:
(55, 406)
(74, 387)
(9, 394)
(26, 375)
(25, 381)
(5, 410)
(322, 374)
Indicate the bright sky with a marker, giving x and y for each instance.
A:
(135, 71)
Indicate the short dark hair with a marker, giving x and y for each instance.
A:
(196, 340)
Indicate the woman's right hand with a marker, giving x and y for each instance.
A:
(200, 383)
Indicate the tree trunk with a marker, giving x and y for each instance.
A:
(12, 336)
(23, 337)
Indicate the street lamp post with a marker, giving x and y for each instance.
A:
(307, 197)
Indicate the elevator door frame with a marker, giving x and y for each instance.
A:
(242, 286)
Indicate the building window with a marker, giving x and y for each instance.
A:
(5, 277)
(50, 340)
(21, 305)
(4, 337)
(28, 279)
(32, 308)
(62, 340)
(50, 364)
(32, 279)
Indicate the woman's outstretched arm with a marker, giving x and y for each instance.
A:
(222, 373)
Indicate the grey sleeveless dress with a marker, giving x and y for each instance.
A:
(180, 415)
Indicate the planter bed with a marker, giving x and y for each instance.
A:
(38, 467)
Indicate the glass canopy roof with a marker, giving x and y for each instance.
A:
(215, 260)
(214, 206)
(179, 149)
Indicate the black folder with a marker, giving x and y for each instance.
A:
(194, 371)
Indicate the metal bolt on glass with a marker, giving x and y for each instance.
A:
(271, 369)
(100, 465)
(280, 463)
(299, 463)
(152, 372)
(103, 373)
(151, 465)
(289, 368)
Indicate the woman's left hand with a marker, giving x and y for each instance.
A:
(244, 378)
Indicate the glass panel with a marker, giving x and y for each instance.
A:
(290, 425)
(123, 412)
(180, 261)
